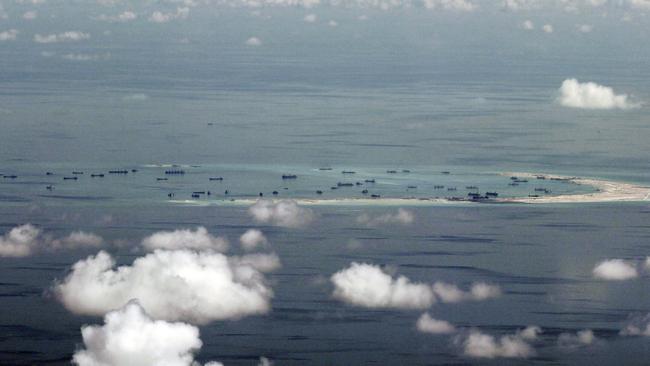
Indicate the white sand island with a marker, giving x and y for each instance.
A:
(606, 191)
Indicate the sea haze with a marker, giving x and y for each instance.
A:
(414, 97)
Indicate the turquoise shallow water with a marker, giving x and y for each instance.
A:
(149, 183)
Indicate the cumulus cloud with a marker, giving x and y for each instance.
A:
(125, 16)
(480, 345)
(615, 270)
(479, 291)
(369, 286)
(515, 5)
(547, 28)
(402, 217)
(285, 213)
(160, 17)
(27, 239)
(457, 5)
(581, 338)
(427, 324)
(575, 94)
(199, 239)
(85, 56)
(130, 337)
(252, 239)
(638, 325)
(253, 41)
(8, 35)
(197, 287)
(70, 36)
(19, 241)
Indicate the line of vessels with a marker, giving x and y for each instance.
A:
(367, 185)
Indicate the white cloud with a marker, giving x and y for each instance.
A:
(160, 17)
(310, 18)
(129, 337)
(199, 239)
(457, 5)
(590, 95)
(9, 35)
(333, 23)
(615, 270)
(479, 345)
(30, 15)
(637, 326)
(402, 216)
(530, 333)
(19, 241)
(368, 285)
(125, 16)
(479, 291)
(547, 28)
(253, 41)
(427, 324)
(70, 36)
(515, 5)
(27, 239)
(252, 239)
(170, 285)
(528, 25)
(581, 338)
(85, 57)
(285, 213)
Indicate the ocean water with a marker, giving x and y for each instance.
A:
(546, 280)
(217, 109)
